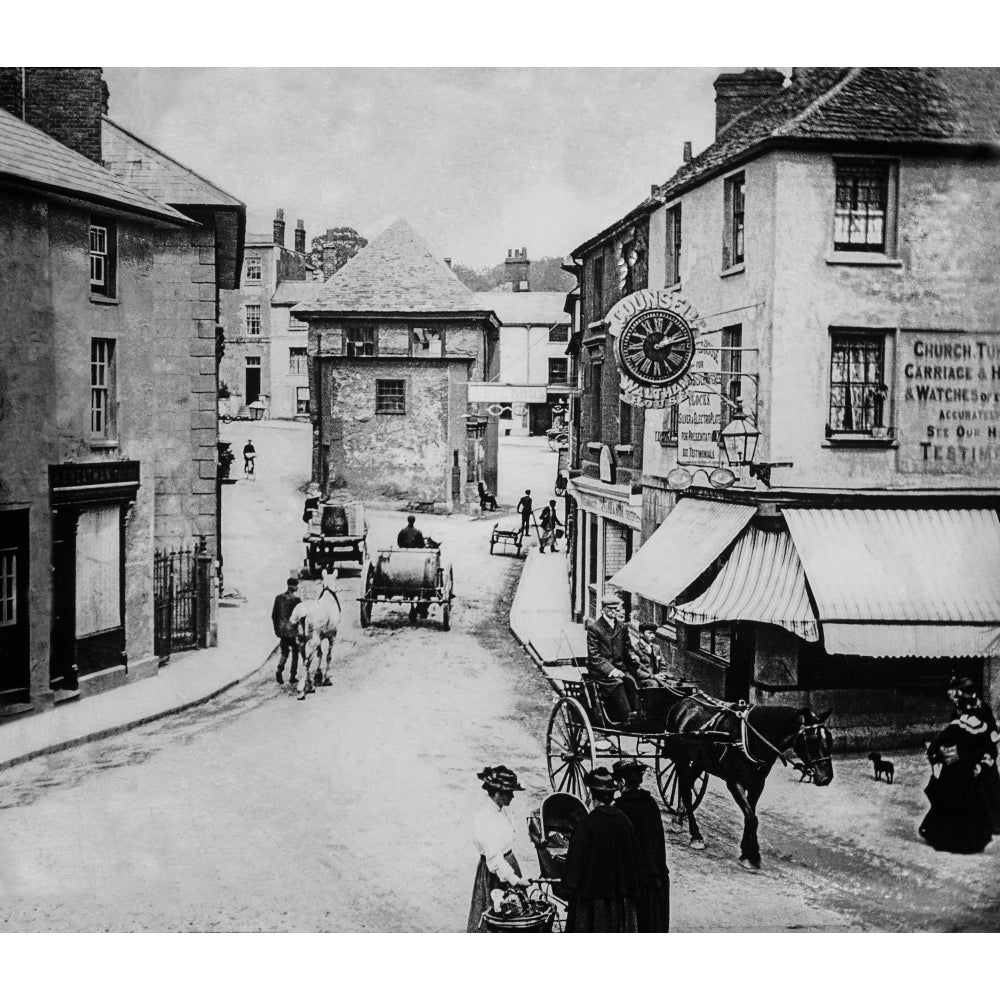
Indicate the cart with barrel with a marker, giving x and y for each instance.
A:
(580, 734)
(337, 533)
(418, 577)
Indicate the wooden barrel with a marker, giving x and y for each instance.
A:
(406, 572)
(334, 520)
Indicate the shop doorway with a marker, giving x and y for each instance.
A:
(252, 380)
(15, 634)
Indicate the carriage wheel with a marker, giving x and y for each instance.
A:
(569, 747)
(312, 567)
(493, 541)
(668, 783)
(366, 605)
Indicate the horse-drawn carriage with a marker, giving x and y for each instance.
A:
(418, 577)
(696, 735)
(337, 533)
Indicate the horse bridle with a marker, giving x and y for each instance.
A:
(805, 730)
(326, 590)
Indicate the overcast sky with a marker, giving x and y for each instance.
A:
(478, 160)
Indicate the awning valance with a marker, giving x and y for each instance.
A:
(902, 582)
(695, 533)
(930, 641)
(761, 581)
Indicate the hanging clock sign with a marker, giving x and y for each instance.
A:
(655, 343)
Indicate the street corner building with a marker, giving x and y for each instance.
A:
(394, 341)
(113, 257)
(787, 446)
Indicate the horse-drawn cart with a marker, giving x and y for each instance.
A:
(337, 533)
(417, 577)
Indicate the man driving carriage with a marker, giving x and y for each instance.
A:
(609, 661)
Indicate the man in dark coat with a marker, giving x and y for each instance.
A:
(411, 537)
(281, 613)
(603, 878)
(652, 910)
(524, 509)
(609, 660)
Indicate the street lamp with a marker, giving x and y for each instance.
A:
(257, 410)
(739, 439)
(739, 443)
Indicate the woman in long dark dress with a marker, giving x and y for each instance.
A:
(963, 694)
(602, 880)
(493, 835)
(958, 820)
(652, 909)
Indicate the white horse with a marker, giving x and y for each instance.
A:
(316, 623)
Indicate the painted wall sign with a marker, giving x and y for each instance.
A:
(948, 415)
(655, 345)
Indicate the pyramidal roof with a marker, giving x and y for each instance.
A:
(396, 273)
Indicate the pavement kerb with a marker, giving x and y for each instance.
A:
(124, 727)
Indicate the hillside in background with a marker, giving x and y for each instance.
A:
(546, 276)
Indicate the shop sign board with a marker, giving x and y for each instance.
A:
(699, 413)
(948, 412)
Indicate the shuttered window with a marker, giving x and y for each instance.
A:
(98, 569)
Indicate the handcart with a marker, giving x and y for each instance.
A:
(508, 533)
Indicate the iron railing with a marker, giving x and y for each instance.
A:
(181, 599)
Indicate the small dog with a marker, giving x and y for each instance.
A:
(885, 767)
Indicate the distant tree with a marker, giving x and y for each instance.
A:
(546, 276)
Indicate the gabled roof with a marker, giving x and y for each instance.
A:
(395, 273)
(30, 156)
(289, 292)
(137, 162)
(870, 105)
(523, 308)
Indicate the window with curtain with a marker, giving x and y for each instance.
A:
(858, 391)
(734, 193)
(98, 569)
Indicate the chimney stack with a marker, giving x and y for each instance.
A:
(67, 103)
(279, 227)
(300, 236)
(447, 261)
(687, 152)
(517, 270)
(739, 92)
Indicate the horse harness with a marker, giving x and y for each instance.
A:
(742, 744)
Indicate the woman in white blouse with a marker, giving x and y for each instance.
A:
(493, 835)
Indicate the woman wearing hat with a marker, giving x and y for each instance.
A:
(493, 835)
(603, 880)
(652, 910)
(959, 817)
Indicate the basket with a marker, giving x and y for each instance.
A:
(539, 921)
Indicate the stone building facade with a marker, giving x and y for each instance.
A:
(394, 339)
(107, 440)
(836, 244)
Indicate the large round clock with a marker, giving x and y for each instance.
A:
(656, 347)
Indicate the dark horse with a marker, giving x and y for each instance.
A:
(740, 747)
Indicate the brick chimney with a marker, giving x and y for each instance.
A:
(300, 236)
(739, 92)
(687, 152)
(279, 227)
(516, 270)
(331, 251)
(64, 102)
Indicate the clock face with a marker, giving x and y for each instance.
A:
(656, 347)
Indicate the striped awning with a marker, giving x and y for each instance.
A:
(695, 533)
(902, 582)
(762, 581)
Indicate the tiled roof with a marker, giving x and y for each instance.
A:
(522, 308)
(136, 162)
(289, 292)
(29, 155)
(395, 273)
(868, 105)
